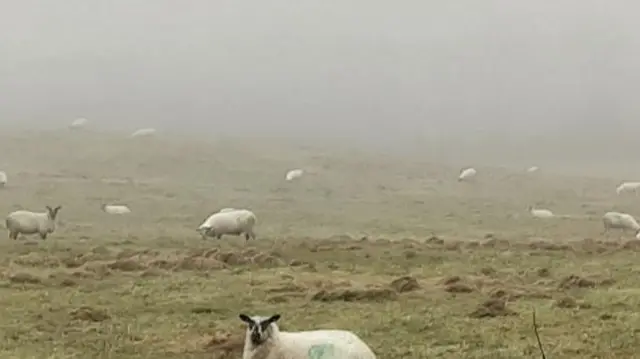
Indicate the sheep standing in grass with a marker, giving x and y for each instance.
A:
(78, 123)
(232, 221)
(628, 187)
(264, 340)
(623, 221)
(115, 209)
(467, 173)
(27, 222)
(540, 213)
(144, 132)
(293, 174)
(3, 179)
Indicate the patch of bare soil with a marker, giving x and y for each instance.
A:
(126, 265)
(511, 293)
(405, 284)
(264, 260)
(287, 288)
(89, 314)
(35, 259)
(568, 302)
(225, 346)
(547, 245)
(576, 281)
(457, 284)
(24, 278)
(62, 279)
(496, 243)
(100, 269)
(356, 295)
(198, 263)
(494, 307)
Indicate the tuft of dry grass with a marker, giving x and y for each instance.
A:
(417, 264)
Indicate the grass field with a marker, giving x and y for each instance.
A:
(395, 249)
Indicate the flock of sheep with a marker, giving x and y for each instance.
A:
(263, 338)
(610, 220)
(227, 221)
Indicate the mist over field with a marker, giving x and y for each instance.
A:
(379, 105)
(494, 81)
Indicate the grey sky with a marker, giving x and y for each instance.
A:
(371, 69)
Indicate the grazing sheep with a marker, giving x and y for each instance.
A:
(233, 222)
(532, 169)
(115, 209)
(467, 173)
(3, 179)
(144, 132)
(628, 187)
(264, 340)
(293, 174)
(27, 222)
(78, 123)
(540, 213)
(623, 221)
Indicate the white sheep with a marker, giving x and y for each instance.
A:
(144, 132)
(293, 174)
(623, 221)
(115, 209)
(467, 173)
(540, 213)
(27, 222)
(532, 169)
(628, 187)
(232, 221)
(264, 340)
(3, 179)
(78, 123)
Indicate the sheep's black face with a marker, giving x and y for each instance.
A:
(258, 327)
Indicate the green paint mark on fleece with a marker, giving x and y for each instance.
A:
(321, 351)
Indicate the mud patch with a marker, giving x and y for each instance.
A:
(405, 284)
(492, 308)
(24, 278)
(356, 295)
(89, 314)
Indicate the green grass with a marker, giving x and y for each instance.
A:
(146, 285)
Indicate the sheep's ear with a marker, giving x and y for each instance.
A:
(48, 208)
(273, 318)
(245, 318)
(58, 208)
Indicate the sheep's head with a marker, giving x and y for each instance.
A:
(53, 212)
(259, 328)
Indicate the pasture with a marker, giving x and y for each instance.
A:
(395, 249)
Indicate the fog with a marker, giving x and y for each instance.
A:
(411, 74)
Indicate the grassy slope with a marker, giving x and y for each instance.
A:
(145, 285)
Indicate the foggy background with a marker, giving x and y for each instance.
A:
(521, 80)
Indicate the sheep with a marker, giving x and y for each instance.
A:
(623, 221)
(27, 222)
(293, 174)
(540, 213)
(228, 209)
(467, 173)
(264, 340)
(3, 179)
(115, 209)
(532, 169)
(628, 187)
(232, 221)
(78, 123)
(144, 132)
